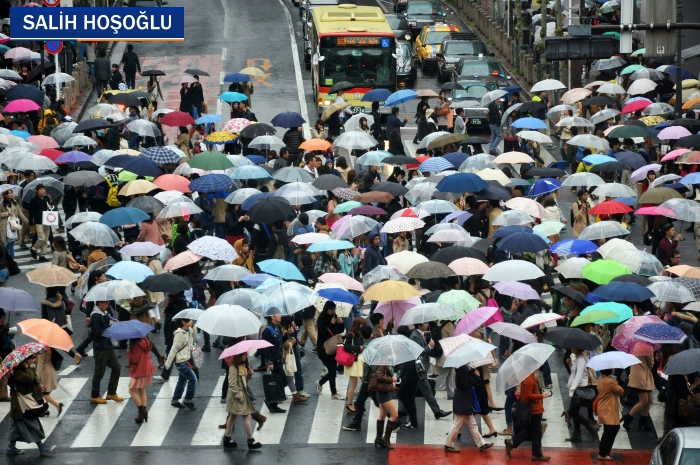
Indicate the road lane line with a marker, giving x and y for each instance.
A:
(223, 54)
(329, 415)
(160, 416)
(297, 72)
(435, 431)
(103, 418)
(208, 433)
(227, 15)
(274, 425)
(373, 414)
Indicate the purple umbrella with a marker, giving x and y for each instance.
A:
(367, 210)
(396, 308)
(17, 300)
(461, 217)
(474, 319)
(516, 289)
(660, 333)
(513, 331)
(73, 156)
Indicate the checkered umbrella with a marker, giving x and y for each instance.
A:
(161, 155)
(671, 291)
(691, 283)
(211, 183)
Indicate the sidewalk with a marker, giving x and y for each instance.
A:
(89, 98)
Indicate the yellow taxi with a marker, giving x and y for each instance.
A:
(428, 43)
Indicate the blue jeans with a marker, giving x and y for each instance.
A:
(496, 136)
(546, 374)
(299, 375)
(510, 401)
(503, 345)
(186, 376)
(10, 246)
(220, 230)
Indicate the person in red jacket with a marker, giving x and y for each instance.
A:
(141, 371)
(530, 393)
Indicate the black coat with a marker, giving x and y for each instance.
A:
(463, 402)
(103, 70)
(36, 207)
(353, 343)
(131, 62)
(73, 201)
(293, 139)
(169, 312)
(326, 329)
(99, 322)
(273, 336)
(197, 95)
(185, 100)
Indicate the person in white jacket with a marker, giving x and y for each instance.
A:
(180, 354)
(581, 394)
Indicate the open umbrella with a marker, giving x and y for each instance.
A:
(612, 360)
(468, 354)
(229, 320)
(47, 332)
(461, 302)
(390, 290)
(133, 271)
(622, 312)
(603, 271)
(684, 362)
(623, 339)
(382, 273)
(660, 333)
(165, 282)
(131, 329)
(405, 260)
(513, 270)
(474, 320)
(391, 350)
(93, 233)
(281, 268)
(22, 353)
(521, 364)
(123, 215)
(513, 331)
(244, 347)
(270, 209)
(430, 270)
(246, 298)
(670, 291)
(213, 248)
(572, 338)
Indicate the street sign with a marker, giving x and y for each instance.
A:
(53, 46)
(52, 2)
(660, 50)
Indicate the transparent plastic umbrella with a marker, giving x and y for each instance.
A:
(355, 140)
(179, 209)
(285, 299)
(241, 195)
(93, 233)
(477, 163)
(391, 350)
(513, 331)
(54, 188)
(443, 227)
(354, 226)
(80, 140)
(246, 298)
(63, 132)
(35, 163)
(670, 291)
(513, 218)
(435, 207)
(171, 197)
(453, 236)
(602, 230)
(229, 320)
(468, 354)
(313, 216)
(103, 265)
(144, 128)
(640, 262)
(612, 189)
(521, 364)
(113, 290)
(298, 193)
(82, 217)
(421, 192)
(382, 273)
(683, 209)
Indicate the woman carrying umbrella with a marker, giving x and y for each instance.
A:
(463, 408)
(641, 381)
(9, 209)
(644, 186)
(328, 326)
(530, 394)
(382, 384)
(581, 394)
(609, 393)
(46, 374)
(238, 402)
(141, 371)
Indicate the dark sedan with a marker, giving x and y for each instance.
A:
(406, 63)
(398, 24)
(420, 14)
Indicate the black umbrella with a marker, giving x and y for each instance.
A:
(546, 172)
(633, 278)
(83, 178)
(689, 141)
(146, 204)
(452, 85)
(633, 160)
(432, 297)
(139, 94)
(85, 165)
(599, 101)
(572, 338)
(430, 270)
(196, 72)
(474, 140)
(492, 193)
(328, 182)
(394, 188)
(165, 282)
(692, 124)
(92, 125)
(342, 85)
(255, 130)
(576, 296)
(270, 209)
(636, 122)
(529, 107)
(609, 167)
(126, 99)
(36, 73)
(401, 160)
(25, 91)
(454, 252)
(153, 72)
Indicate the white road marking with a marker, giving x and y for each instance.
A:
(208, 433)
(160, 416)
(274, 426)
(103, 419)
(227, 17)
(223, 54)
(435, 431)
(329, 415)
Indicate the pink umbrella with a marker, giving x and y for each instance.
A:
(673, 154)
(655, 211)
(624, 340)
(45, 142)
(244, 347)
(340, 222)
(343, 279)
(235, 125)
(641, 173)
(474, 319)
(673, 133)
(396, 308)
(18, 52)
(21, 106)
(182, 259)
(517, 289)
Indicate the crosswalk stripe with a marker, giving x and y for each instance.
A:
(329, 415)
(274, 426)
(68, 370)
(4, 410)
(102, 419)
(373, 414)
(656, 413)
(208, 432)
(160, 417)
(435, 431)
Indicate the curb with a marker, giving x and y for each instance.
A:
(88, 97)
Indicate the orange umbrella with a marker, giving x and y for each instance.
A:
(315, 144)
(691, 103)
(173, 182)
(182, 259)
(685, 271)
(47, 332)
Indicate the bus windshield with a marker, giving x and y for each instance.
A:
(363, 67)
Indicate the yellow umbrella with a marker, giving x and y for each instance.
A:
(688, 83)
(332, 109)
(252, 71)
(390, 290)
(137, 187)
(51, 276)
(593, 317)
(652, 120)
(134, 153)
(220, 137)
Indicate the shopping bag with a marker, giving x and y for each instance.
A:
(49, 218)
(273, 387)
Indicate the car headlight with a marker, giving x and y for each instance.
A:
(429, 55)
(412, 23)
(407, 67)
(407, 36)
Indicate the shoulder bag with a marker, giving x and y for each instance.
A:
(375, 385)
(331, 344)
(685, 408)
(30, 407)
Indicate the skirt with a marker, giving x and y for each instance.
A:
(383, 397)
(140, 383)
(355, 369)
(27, 430)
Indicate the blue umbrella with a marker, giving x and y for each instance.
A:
(250, 201)
(684, 73)
(269, 282)
(326, 246)
(660, 333)
(236, 78)
(598, 159)
(288, 119)
(132, 329)
(623, 292)
(21, 134)
(662, 125)
(123, 215)
(493, 193)
(573, 247)
(593, 298)
(631, 159)
(456, 158)
(629, 201)
(281, 268)
(376, 95)
(505, 231)
(206, 119)
(140, 166)
(133, 271)
(250, 172)
(74, 156)
(529, 123)
(512, 89)
(231, 97)
(160, 155)
(543, 186)
(461, 182)
(339, 295)
(211, 183)
(256, 159)
(400, 96)
(692, 178)
(522, 242)
(255, 279)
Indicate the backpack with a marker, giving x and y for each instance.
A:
(279, 249)
(436, 336)
(360, 180)
(112, 199)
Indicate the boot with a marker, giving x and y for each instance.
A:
(298, 399)
(228, 444)
(259, 418)
(145, 413)
(627, 421)
(645, 424)
(575, 436)
(390, 427)
(378, 441)
(141, 416)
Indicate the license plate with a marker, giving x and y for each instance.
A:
(474, 121)
(356, 110)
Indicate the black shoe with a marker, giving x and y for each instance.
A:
(442, 414)
(273, 408)
(228, 444)
(189, 405)
(353, 426)
(177, 404)
(206, 348)
(33, 253)
(43, 259)
(409, 426)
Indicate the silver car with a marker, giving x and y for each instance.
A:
(681, 446)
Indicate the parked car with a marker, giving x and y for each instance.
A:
(399, 26)
(681, 446)
(429, 43)
(454, 47)
(421, 13)
(475, 67)
(406, 63)
(469, 98)
(400, 5)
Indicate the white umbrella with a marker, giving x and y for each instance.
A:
(442, 227)
(548, 84)
(435, 207)
(172, 197)
(421, 192)
(602, 230)
(298, 193)
(521, 364)
(614, 248)
(429, 138)
(555, 110)
(424, 313)
(571, 268)
(577, 121)
(246, 298)
(79, 140)
(613, 189)
(610, 88)
(57, 78)
(144, 128)
(529, 206)
(239, 196)
(604, 115)
(403, 261)
(285, 299)
(512, 217)
(227, 273)
(229, 320)
(539, 319)
(612, 360)
(640, 262)
(391, 350)
(402, 224)
(93, 233)
(453, 236)
(310, 238)
(468, 266)
(468, 354)
(179, 209)
(188, 314)
(683, 209)
(35, 163)
(658, 109)
(535, 136)
(589, 140)
(492, 96)
(670, 291)
(583, 179)
(493, 174)
(113, 290)
(213, 248)
(355, 140)
(641, 86)
(513, 270)
(353, 123)
(102, 156)
(266, 143)
(239, 160)
(666, 177)
(82, 217)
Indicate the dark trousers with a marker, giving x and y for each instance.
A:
(575, 411)
(407, 395)
(105, 358)
(166, 371)
(533, 432)
(224, 386)
(130, 78)
(546, 374)
(83, 345)
(299, 375)
(607, 440)
(330, 363)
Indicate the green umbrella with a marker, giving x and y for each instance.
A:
(603, 271)
(631, 68)
(641, 51)
(347, 206)
(461, 302)
(593, 317)
(127, 176)
(628, 132)
(210, 161)
(614, 35)
(622, 312)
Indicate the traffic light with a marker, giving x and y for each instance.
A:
(578, 48)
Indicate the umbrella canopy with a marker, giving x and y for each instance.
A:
(141, 249)
(281, 268)
(22, 353)
(113, 290)
(474, 320)
(133, 271)
(660, 333)
(683, 363)
(330, 245)
(516, 289)
(244, 347)
(382, 273)
(623, 339)
(227, 273)
(430, 270)
(391, 350)
(51, 276)
(467, 266)
(623, 292)
(612, 360)
(513, 331)
(284, 299)
(402, 224)
(461, 302)
(47, 332)
(572, 338)
(390, 290)
(670, 291)
(270, 209)
(405, 260)
(424, 313)
(165, 282)
(161, 155)
(468, 354)
(522, 242)
(513, 270)
(622, 312)
(540, 319)
(229, 320)
(213, 248)
(603, 230)
(461, 182)
(342, 279)
(123, 215)
(93, 233)
(521, 364)
(603, 271)
(573, 246)
(179, 209)
(182, 259)
(131, 329)
(246, 298)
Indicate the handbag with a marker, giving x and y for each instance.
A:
(11, 233)
(197, 358)
(290, 364)
(14, 223)
(685, 408)
(273, 387)
(331, 344)
(476, 407)
(72, 264)
(49, 218)
(586, 393)
(30, 407)
(343, 357)
(375, 385)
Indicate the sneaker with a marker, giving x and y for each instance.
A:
(45, 449)
(548, 386)
(353, 426)
(319, 388)
(158, 379)
(409, 425)
(337, 396)
(13, 451)
(177, 404)
(304, 394)
(189, 405)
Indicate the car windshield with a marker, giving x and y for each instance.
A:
(360, 66)
(436, 37)
(690, 457)
(397, 23)
(404, 50)
(465, 48)
(482, 68)
(474, 90)
(423, 8)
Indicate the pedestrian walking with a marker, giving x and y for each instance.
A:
(274, 357)
(104, 355)
(581, 394)
(11, 219)
(37, 206)
(103, 72)
(382, 385)
(238, 401)
(46, 373)
(141, 371)
(180, 354)
(329, 325)
(354, 344)
(530, 394)
(465, 405)
(609, 393)
(495, 127)
(131, 63)
(641, 381)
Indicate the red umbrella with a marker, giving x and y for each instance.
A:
(173, 182)
(177, 118)
(53, 154)
(611, 207)
(637, 105)
(419, 159)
